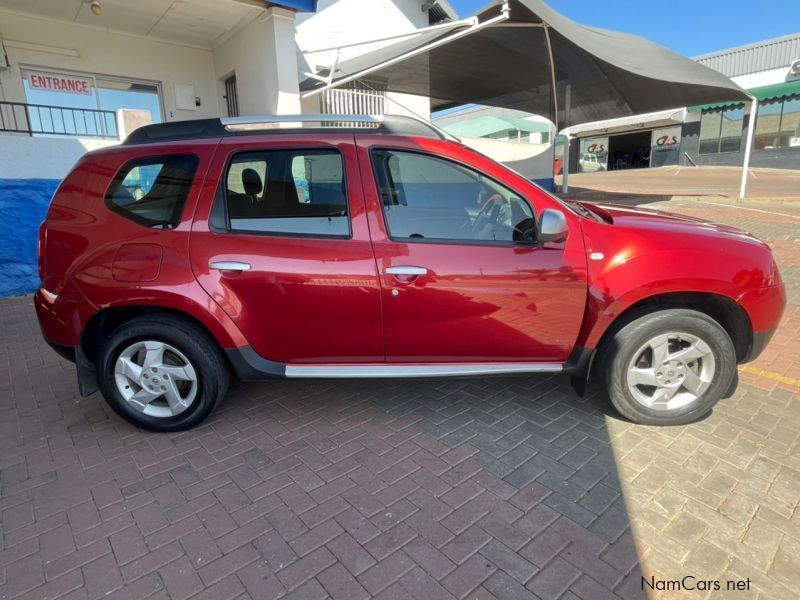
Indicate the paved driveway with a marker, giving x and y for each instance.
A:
(476, 488)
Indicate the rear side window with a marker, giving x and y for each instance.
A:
(151, 191)
(289, 192)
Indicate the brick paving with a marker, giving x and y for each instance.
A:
(705, 182)
(474, 488)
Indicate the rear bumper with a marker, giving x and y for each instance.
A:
(67, 352)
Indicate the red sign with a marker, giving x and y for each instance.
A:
(61, 83)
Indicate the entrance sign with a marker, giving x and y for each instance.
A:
(56, 82)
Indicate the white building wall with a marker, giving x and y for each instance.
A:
(263, 57)
(43, 158)
(339, 22)
(762, 78)
(94, 50)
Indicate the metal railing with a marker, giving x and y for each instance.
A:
(41, 119)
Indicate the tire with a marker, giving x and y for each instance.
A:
(193, 371)
(694, 367)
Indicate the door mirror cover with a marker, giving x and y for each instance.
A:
(552, 226)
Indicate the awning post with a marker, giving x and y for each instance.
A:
(565, 166)
(748, 146)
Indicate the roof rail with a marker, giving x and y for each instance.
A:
(271, 124)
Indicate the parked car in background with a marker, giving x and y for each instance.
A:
(589, 163)
(344, 246)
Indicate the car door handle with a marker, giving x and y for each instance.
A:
(407, 271)
(229, 265)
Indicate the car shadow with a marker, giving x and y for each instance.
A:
(518, 471)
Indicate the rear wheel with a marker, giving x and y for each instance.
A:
(669, 367)
(161, 373)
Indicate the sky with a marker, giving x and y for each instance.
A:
(691, 27)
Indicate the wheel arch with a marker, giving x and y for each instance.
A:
(728, 313)
(105, 321)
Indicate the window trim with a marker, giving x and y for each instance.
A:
(449, 241)
(222, 196)
(144, 160)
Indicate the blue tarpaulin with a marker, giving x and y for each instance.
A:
(23, 205)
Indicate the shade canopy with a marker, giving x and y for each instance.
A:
(514, 62)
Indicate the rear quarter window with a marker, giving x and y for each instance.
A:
(151, 191)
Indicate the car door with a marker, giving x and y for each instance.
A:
(463, 278)
(281, 243)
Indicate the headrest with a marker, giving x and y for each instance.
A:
(251, 181)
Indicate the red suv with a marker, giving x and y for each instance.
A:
(342, 246)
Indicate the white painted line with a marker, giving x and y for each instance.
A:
(768, 212)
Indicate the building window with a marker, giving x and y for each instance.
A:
(778, 124)
(231, 96)
(288, 192)
(721, 129)
(355, 98)
(88, 101)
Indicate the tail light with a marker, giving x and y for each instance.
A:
(41, 248)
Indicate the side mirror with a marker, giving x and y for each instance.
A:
(552, 226)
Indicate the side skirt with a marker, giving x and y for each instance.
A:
(396, 370)
(250, 366)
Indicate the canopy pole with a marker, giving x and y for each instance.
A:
(748, 145)
(552, 74)
(565, 166)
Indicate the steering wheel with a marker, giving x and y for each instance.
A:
(483, 213)
(488, 204)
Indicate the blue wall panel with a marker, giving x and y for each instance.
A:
(23, 205)
(547, 183)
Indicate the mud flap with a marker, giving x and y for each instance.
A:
(579, 367)
(87, 375)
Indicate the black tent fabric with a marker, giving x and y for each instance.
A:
(512, 64)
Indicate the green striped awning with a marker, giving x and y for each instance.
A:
(767, 92)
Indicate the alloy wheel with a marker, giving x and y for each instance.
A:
(670, 371)
(156, 378)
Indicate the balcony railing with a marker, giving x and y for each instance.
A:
(41, 119)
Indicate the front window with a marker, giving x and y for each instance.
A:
(721, 129)
(593, 154)
(428, 198)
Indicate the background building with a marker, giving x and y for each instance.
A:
(714, 134)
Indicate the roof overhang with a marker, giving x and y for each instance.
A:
(662, 118)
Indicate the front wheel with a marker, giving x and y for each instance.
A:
(161, 373)
(669, 367)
